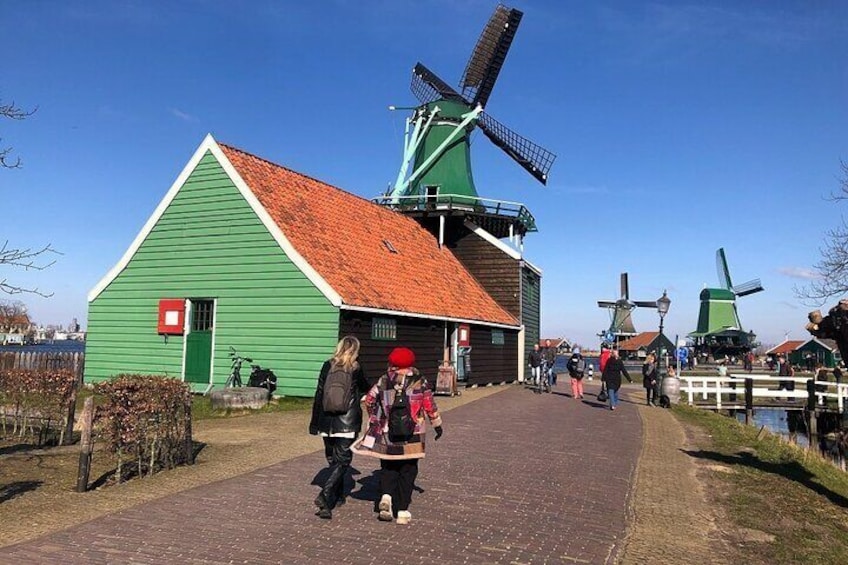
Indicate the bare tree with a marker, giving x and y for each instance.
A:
(832, 267)
(27, 259)
(13, 112)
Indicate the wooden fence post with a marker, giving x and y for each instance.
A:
(86, 445)
(188, 444)
(68, 432)
(749, 401)
(812, 426)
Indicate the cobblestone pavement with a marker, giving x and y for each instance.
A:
(672, 520)
(517, 478)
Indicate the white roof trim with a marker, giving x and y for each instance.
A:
(209, 144)
(426, 316)
(512, 252)
(820, 342)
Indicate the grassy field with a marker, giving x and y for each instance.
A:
(774, 488)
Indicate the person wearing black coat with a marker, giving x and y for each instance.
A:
(649, 379)
(339, 430)
(611, 377)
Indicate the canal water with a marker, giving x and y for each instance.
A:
(776, 421)
(57, 346)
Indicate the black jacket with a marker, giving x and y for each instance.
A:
(350, 421)
(649, 375)
(572, 366)
(612, 373)
(535, 358)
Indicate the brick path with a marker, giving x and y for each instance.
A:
(517, 478)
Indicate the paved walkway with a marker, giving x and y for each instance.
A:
(517, 478)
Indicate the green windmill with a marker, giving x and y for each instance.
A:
(720, 333)
(435, 175)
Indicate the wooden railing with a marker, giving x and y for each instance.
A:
(44, 361)
(725, 392)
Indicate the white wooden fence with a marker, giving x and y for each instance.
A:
(713, 390)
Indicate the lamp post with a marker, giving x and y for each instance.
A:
(663, 304)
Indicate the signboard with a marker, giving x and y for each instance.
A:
(446, 380)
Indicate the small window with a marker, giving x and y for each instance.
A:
(202, 315)
(384, 329)
(389, 246)
(431, 192)
(497, 337)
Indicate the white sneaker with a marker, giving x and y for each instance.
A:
(385, 508)
(404, 517)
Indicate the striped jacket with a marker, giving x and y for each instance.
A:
(375, 442)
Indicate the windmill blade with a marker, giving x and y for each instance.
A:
(606, 303)
(645, 303)
(747, 288)
(723, 271)
(428, 87)
(489, 54)
(625, 287)
(535, 159)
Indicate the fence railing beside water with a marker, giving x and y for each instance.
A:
(44, 361)
(725, 392)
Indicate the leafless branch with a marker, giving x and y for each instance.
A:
(13, 112)
(28, 259)
(832, 266)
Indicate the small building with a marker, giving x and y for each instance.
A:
(639, 346)
(816, 351)
(561, 344)
(788, 348)
(245, 255)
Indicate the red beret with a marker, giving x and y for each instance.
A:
(401, 357)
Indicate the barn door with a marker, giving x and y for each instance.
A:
(198, 353)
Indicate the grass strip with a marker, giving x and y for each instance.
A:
(793, 494)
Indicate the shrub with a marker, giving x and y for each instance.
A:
(146, 420)
(37, 401)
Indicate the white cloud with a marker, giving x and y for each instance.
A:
(182, 115)
(799, 273)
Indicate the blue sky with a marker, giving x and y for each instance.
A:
(679, 127)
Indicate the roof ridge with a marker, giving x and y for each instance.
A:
(298, 173)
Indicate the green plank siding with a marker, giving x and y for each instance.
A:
(209, 244)
(531, 287)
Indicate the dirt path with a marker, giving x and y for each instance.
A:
(37, 486)
(672, 521)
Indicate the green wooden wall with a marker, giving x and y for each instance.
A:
(531, 300)
(210, 244)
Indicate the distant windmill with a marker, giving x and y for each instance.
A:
(621, 323)
(719, 329)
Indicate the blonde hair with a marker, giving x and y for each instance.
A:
(346, 353)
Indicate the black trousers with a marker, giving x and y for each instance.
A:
(397, 479)
(651, 393)
(339, 456)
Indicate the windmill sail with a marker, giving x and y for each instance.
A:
(723, 272)
(535, 159)
(428, 87)
(489, 54)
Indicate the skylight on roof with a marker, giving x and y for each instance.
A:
(389, 246)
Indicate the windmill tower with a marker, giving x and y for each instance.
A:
(719, 330)
(621, 321)
(435, 181)
(435, 184)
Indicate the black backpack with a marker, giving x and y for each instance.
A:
(401, 422)
(337, 390)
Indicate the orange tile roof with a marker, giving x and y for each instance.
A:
(786, 347)
(554, 342)
(644, 339)
(343, 237)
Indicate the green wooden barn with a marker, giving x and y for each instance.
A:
(243, 253)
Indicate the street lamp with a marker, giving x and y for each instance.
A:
(663, 304)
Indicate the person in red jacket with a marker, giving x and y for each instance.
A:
(605, 355)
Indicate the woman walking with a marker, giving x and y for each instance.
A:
(611, 377)
(649, 379)
(396, 408)
(337, 418)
